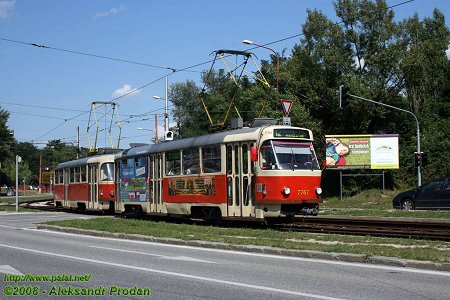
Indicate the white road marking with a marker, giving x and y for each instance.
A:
(179, 258)
(5, 269)
(200, 278)
(314, 260)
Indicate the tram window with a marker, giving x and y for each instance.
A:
(211, 159)
(151, 167)
(268, 160)
(229, 159)
(245, 191)
(252, 163)
(83, 174)
(173, 164)
(245, 158)
(107, 172)
(236, 159)
(191, 161)
(141, 166)
(76, 177)
(72, 174)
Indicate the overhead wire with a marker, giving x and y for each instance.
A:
(174, 70)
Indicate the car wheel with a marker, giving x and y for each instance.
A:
(407, 204)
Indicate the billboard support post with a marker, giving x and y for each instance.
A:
(355, 175)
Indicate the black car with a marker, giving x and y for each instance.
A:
(433, 195)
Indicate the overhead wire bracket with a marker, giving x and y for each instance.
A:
(223, 55)
(114, 121)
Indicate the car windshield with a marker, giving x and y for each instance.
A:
(285, 155)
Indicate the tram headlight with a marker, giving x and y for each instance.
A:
(111, 194)
(318, 190)
(286, 190)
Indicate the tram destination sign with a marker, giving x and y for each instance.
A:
(291, 133)
(365, 151)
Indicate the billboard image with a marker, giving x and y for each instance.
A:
(366, 151)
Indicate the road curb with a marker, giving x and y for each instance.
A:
(344, 257)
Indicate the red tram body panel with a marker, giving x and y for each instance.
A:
(86, 184)
(263, 172)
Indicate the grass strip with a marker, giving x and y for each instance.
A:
(424, 250)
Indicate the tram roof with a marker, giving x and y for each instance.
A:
(86, 160)
(209, 139)
(236, 135)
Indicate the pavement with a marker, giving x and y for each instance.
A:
(345, 257)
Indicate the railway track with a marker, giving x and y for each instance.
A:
(434, 229)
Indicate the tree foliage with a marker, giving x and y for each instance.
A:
(400, 63)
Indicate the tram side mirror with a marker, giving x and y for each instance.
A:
(254, 153)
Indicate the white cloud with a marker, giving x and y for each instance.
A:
(126, 90)
(112, 11)
(5, 8)
(448, 52)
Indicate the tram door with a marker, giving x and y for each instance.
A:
(239, 180)
(156, 201)
(92, 185)
(66, 177)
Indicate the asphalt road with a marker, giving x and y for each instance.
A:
(179, 272)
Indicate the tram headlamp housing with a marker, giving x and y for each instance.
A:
(318, 190)
(286, 190)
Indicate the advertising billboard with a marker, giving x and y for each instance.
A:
(365, 151)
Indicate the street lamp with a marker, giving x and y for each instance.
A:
(145, 129)
(248, 42)
(166, 111)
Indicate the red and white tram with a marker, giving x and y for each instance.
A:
(86, 184)
(264, 172)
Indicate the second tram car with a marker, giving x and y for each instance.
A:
(264, 172)
(86, 184)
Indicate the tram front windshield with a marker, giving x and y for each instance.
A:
(107, 172)
(288, 155)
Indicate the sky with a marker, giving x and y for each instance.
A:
(131, 44)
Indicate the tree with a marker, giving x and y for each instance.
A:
(9, 169)
(187, 112)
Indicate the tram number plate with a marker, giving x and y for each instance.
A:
(302, 192)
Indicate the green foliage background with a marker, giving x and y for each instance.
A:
(399, 63)
(403, 64)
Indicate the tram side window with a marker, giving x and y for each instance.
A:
(245, 158)
(229, 159)
(141, 166)
(83, 174)
(58, 177)
(72, 174)
(191, 161)
(267, 160)
(173, 164)
(107, 172)
(211, 159)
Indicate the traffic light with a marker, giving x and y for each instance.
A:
(417, 159)
(420, 159)
(423, 158)
(343, 95)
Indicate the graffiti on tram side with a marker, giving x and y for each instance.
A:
(133, 189)
(190, 186)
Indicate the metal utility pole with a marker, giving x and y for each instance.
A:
(419, 175)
